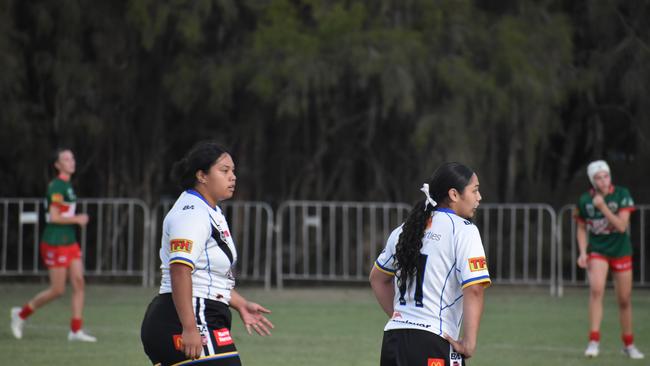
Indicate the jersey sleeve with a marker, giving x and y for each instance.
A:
(471, 257)
(627, 202)
(188, 232)
(580, 213)
(385, 262)
(55, 194)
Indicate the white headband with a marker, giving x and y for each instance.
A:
(595, 167)
(429, 201)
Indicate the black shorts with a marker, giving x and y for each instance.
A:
(414, 347)
(161, 333)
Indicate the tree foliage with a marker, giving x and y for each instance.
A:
(326, 99)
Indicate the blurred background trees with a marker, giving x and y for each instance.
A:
(328, 100)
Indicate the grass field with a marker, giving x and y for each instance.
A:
(318, 327)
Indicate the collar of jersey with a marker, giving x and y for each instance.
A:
(446, 209)
(592, 191)
(195, 193)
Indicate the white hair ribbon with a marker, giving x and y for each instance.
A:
(430, 201)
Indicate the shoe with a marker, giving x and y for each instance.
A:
(81, 336)
(632, 352)
(17, 323)
(592, 349)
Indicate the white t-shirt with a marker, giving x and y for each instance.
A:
(197, 235)
(453, 258)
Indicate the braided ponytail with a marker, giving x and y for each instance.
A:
(407, 250)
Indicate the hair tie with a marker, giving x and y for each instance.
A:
(429, 200)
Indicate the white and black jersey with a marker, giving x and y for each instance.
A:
(452, 257)
(197, 235)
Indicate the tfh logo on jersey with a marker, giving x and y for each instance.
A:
(435, 362)
(180, 245)
(477, 264)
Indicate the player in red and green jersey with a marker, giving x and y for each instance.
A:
(60, 251)
(603, 216)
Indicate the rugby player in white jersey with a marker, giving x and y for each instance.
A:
(431, 275)
(189, 321)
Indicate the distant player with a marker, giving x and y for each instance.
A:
(189, 321)
(604, 211)
(60, 251)
(431, 276)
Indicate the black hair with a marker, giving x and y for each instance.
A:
(201, 157)
(57, 152)
(407, 250)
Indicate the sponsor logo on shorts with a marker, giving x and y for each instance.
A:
(178, 342)
(222, 336)
(435, 362)
(477, 264)
(180, 245)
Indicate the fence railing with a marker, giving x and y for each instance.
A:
(118, 230)
(308, 240)
(519, 242)
(332, 241)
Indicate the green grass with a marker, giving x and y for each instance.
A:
(521, 326)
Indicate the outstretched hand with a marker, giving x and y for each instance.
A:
(252, 315)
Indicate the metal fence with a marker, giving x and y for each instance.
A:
(115, 242)
(519, 242)
(332, 241)
(310, 240)
(339, 241)
(252, 227)
(568, 271)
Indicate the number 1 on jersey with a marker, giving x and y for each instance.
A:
(419, 281)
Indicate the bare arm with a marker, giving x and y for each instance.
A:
(181, 277)
(472, 311)
(382, 287)
(57, 218)
(581, 237)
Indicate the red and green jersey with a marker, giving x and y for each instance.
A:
(603, 237)
(61, 195)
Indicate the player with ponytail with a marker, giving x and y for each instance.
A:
(430, 277)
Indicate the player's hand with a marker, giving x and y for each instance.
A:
(599, 201)
(252, 315)
(582, 260)
(461, 346)
(192, 343)
(82, 219)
